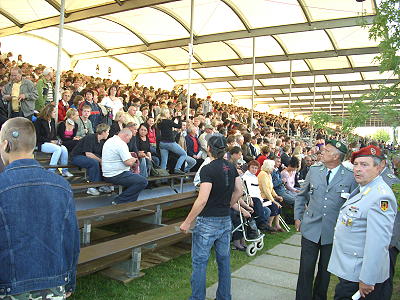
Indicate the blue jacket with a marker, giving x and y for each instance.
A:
(190, 146)
(277, 181)
(39, 234)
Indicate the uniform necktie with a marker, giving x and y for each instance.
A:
(327, 177)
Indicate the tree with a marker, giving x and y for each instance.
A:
(386, 28)
(385, 100)
(381, 135)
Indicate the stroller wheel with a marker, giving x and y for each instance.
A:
(260, 244)
(251, 249)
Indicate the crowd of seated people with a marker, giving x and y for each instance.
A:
(162, 138)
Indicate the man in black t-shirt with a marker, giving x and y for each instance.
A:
(87, 154)
(220, 189)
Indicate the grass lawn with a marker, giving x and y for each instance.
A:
(168, 281)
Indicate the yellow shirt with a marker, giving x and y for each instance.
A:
(266, 186)
(15, 104)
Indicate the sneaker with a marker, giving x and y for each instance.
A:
(105, 189)
(67, 174)
(92, 191)
(113, 203)
(179, 172)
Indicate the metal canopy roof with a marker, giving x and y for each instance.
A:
(321, 37)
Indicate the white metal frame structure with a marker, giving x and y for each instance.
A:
(295, 42)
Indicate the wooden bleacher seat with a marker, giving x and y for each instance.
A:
(120, 212)
(133, 242)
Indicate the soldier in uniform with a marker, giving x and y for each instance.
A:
(326, 188)
(360, 256)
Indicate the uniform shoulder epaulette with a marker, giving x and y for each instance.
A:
(348, 168)
(381, 189)
(391, 176)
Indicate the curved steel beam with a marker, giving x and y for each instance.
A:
(173, 16)
(121, 62)
(233, 49)
(201, 75)
(90, 38)
(139, 36)
(155, 58)
(11, 18)
(330, 37)
(238, 13)
(233, 71)
(166, 73)
(44, 39)
(305, 12)
(280, 45)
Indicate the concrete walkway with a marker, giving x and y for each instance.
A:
(270, 276)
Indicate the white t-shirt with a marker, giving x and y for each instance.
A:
(115, 105)
(115, 152)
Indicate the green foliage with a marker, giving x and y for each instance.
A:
(320, 120)
(386, 30)
(381, 135)
(359, 112)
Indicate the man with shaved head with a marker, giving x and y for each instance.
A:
(39, 233)
(116, 161)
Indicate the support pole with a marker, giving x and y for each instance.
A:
(342, 111)
(252, 84)
(330, 103)
(290, 98)
(190, 60)
(59, 51)
(313, 109)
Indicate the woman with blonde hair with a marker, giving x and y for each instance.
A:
(298, 153)
(167, 140)
(117, 123)
(271, 199)
(47, 141)
(67, 129)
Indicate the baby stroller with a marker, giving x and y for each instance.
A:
(248, 227)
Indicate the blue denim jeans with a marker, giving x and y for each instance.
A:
(145, 166)
(175, 148)
(190, 163)
(208, 232)
(91, 165)
(59, 154)
(133, 183)
(288, 196)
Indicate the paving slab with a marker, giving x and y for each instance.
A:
(284, 264)
(243, 289)
(267, 276)
(284, 250)
(294, 240)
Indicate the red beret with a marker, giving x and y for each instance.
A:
(371, 150)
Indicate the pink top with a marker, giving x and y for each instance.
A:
(69, 134)
(288, 179)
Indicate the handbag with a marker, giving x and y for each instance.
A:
(135, 168)
(158, 172)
